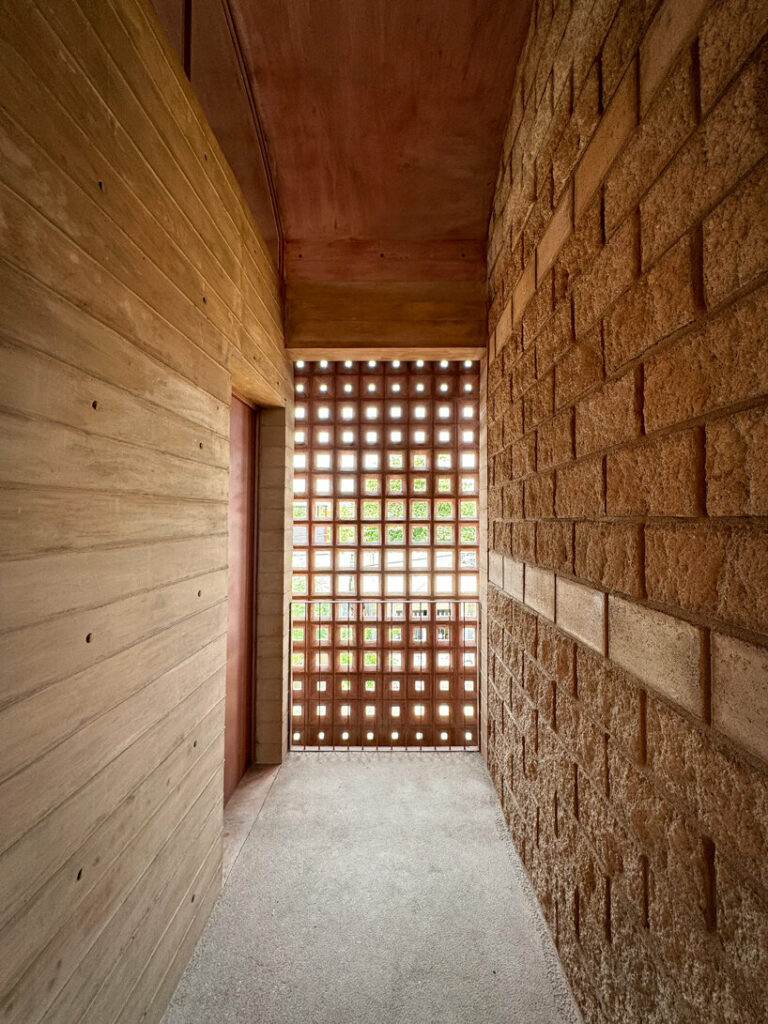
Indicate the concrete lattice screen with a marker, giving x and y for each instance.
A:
(384, 674)
(385, 621)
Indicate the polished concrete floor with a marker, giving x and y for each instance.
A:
(376, 889)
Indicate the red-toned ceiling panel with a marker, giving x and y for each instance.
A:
(384, 117)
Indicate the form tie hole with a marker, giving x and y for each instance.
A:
(88, 637)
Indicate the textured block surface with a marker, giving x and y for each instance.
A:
(629, 408)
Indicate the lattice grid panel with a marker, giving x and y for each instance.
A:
(385, 555)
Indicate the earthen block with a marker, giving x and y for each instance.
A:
(579, 490)
(736, 238)
(523, 292)
(552, 343)
(581, 611)
(513, 578)
(729, 143)
(554, 440)
(524, 456)
(538, 401)
(539, 496)
(512, 500)
(578, 252)
(553, 238)
(610, 698)
(523, 541)
(658, 477)
(539, 592)
(663, 652)
(609, 416)
(610, 555)
(737, 464)
(712, 784)
(710, 568)
(725, 361)
(742, 926)
(495, 568)
(740, 692)
(556, 654)
(554, 545)
(655, 306)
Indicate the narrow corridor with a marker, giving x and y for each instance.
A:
(376, 888)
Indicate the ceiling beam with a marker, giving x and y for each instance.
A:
(386, 316)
